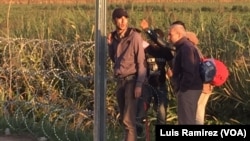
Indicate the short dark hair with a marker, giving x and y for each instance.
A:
(179, 23)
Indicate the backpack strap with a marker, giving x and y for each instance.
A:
(199, 53)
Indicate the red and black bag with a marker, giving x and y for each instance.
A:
(213, 71)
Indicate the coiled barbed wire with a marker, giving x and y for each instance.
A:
(54, 76)
(57, 71)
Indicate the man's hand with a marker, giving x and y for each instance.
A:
(144, 24)
(207, 88)
(109, 38)
(169, 73)
(138, 91)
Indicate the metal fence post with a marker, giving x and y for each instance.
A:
(99, 132)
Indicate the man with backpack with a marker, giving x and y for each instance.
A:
(217, 74)
(206, 91)
(218, 78)
(191, 88)
(186, 79)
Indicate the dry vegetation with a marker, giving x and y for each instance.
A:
(109, 1)
(50, 82)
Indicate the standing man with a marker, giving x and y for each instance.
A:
(207, 88)
(157, 59)
(156, 89)
(127, 54)
(186, 78)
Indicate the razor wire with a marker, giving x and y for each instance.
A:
(54, 115)
(25, 112)
(64, 117)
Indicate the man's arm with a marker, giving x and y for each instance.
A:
(110, 48)
(153, 36)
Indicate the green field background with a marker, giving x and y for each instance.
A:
(47, 63)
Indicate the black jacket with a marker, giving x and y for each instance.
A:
(186, 75)
(160, 56)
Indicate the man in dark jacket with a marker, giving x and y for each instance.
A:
(186, 78)
(158, 59)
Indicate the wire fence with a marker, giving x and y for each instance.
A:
(47, 85)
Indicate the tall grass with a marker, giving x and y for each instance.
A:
(47, 64)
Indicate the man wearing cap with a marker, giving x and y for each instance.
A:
(127, 53)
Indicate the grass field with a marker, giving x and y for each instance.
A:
(48, 63)
(116, 1)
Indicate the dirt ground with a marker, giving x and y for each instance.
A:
(17, 138)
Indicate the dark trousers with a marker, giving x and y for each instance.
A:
(187, 106)
(127, 105)
(156, 95)
(160, 103)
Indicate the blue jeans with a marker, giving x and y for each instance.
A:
(157, 95)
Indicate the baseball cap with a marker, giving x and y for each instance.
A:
(119, 12)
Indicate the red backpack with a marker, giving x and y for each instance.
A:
(221, 74)
(213, 71)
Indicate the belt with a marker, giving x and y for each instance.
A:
(129, 77)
